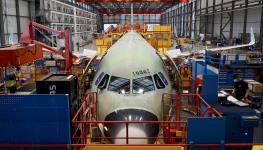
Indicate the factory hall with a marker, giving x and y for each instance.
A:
(131, 74)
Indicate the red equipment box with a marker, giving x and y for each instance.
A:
(19, 55)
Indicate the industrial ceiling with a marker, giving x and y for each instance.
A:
(124, 6)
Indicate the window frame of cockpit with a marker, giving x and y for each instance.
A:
(160, 78)
(119, 91)
(166, 82)
(103, 74)
(132, 89)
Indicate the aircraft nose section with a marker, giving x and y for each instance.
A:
(138, 133)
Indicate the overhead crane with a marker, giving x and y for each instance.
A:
(30, 49)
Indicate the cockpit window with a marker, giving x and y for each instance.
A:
(163, 78)
(120, 85)
(158, 81)
(102, 84)
(99, 78)
(142, 85)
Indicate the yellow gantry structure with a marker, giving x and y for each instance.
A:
(160, 37)
(163, 34)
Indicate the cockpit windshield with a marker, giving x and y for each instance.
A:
(142, 85)
(160, 80)
(120, 85)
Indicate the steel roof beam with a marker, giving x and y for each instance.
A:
(127, 11)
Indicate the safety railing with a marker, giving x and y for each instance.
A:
(86, 147)
(193, 85)
(127, 139)
(190, 102)
(234, 59)
(173, 127)
(85, 113)
(85, 120)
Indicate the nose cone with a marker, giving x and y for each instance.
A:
(138, 133)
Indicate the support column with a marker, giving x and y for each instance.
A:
(2, 34)
(245, 21)
(232, 21)
(164, 20)
(213, 19)
(168, 17)
(177, 20)
(18, 19)
(174, 19)
(261, 29)
(206, 20)
(221, 20)
(180, 22)
(185, 19)
(30, 11)
(195, 24)
(200, 14)
(191, 17)
(102, 25)
(75, 21)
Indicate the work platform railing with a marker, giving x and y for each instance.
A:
(187, 102)
(173, 124)
(181, 107)
(133, 146)
(173, 127)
